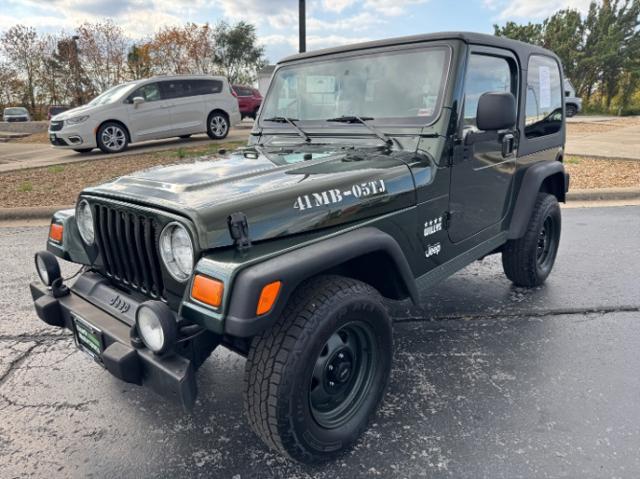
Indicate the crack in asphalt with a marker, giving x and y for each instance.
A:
(55, 406)
(519, 314)
(15, 363)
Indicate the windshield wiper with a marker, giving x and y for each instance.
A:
(363, 121)
(290, 121)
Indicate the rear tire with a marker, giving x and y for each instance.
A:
(528, 261)
(217, 125)
(112, 137)
(315, 378)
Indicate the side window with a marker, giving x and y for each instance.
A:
(544, 97)
(173, 89)
(149, 92)
(207, 87)
(485, 74)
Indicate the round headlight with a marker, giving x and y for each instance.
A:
(156, 326)
(84, 220)
(176, 251)
(47, 267)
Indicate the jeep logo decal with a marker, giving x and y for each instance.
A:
(120, 304)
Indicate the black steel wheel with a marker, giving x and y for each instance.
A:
(315, 378)
(528, 261)
(342, 374)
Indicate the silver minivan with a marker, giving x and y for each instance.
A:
(154, 108)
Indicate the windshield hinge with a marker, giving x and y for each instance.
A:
(458, 152)
(239, 231)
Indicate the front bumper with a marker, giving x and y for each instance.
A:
(170, 376)
(72, 139)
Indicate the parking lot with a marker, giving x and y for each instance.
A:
(16, 156)
(489, 381)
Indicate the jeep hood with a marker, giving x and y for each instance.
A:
(281, 191)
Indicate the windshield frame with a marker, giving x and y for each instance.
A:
(418, 122)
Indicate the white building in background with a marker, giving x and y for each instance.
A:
(264, 78)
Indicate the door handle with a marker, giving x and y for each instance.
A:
(508, 144)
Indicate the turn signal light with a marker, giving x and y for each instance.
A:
(55, 232)
(207, 290)
(268, 297)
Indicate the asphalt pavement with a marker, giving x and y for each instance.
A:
(489, 381)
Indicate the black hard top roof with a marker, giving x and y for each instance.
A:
(521, 49)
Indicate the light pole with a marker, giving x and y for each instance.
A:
(75, 64)
(302, 29)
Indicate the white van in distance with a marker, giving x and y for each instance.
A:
(158, 107)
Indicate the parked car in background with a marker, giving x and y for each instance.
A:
(573, 104)
(149, 109)
(55, 110)
(249, 100)
(16, 113)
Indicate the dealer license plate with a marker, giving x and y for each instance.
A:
(88, 338)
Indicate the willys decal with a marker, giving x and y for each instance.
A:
(334, 196)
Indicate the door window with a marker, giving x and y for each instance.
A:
(544, 97)
(485, 74)
(150, 92)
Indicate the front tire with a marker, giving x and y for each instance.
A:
(112, 137)
(315, 378)
(217, 126)
(528, 261)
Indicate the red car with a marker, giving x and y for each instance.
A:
(249, 100)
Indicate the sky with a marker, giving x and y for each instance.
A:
(329, 22)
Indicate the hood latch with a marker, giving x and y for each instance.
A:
(239, 231)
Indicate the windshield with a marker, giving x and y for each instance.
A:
(111, 95)
(399, 87)
(15, 111)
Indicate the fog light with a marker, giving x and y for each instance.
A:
(47, 267)
(156, 326)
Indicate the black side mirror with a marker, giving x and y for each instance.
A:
(496, 111)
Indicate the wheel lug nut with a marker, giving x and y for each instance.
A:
(330, 367)
(331, 383)
(341, 356)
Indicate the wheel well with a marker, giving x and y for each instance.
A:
(554, 184)
(217, 110)
(126, 130)
(376, 269)
(572, 104)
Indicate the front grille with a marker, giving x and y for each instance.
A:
(56, 125)
(127, 244)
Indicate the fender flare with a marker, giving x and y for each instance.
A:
(530, 186)
(294, 267)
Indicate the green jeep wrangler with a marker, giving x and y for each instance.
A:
(373, 172)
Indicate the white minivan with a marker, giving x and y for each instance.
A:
(158, 107)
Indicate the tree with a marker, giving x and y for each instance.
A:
(20, 45)
(237, 52)
(139, 61)
(185, 49)
(530, 33)
(103, 54)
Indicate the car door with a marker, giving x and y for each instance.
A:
(482, 176)
(151, 118)
(186, 105)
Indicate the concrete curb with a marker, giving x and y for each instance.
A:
(30, 213)
(604, 194)
(599, 194)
